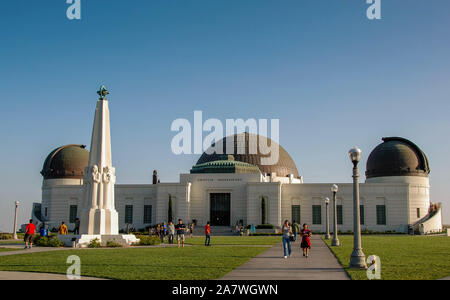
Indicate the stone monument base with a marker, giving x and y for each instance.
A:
(82, 241)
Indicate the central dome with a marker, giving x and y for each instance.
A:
(282, 168)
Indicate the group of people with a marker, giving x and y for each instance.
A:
(290, 233)
(162, 231)
(30, 231)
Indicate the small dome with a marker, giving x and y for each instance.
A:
(66, 162)
(397, 156)
(283, 167)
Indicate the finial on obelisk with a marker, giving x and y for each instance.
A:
(103, 92)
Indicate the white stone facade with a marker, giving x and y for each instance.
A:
(399, 201)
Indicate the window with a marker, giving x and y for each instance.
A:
(340, 220)
(296, 213)
(46, 212)
(73, 214)
(147, 214)
(418, 212)
(381, 215)
(361, 214)
(317, 214)
(128, 214)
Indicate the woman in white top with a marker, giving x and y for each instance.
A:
(287, 231)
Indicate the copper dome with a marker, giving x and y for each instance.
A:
(66, 162)
(282, 168)
(397, 156)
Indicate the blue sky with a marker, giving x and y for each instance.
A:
(332, 77)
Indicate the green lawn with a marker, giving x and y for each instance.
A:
(7, 249)
(402, 257)
(189, 263)
(234, 240)
(17, 242)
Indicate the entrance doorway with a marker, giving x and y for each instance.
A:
(220, 209)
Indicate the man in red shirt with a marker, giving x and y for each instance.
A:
(207, 234)
(30, 231)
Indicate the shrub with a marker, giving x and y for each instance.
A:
(6, 236)
(95, 243)
(266, 234)
(148, 240)
(265, 226)
(43, 241)
(113, 244)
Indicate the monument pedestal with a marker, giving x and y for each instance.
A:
(98, 217)
(82, 241)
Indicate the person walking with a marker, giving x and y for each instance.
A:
(30, 231)
(158, 230)
(171, 230)
(63, 229)
(191, 230)
(295, 229)
(181, 229)
(163, 232)
(77, 226)
(207, 234)
(306, 240)
(287, 232)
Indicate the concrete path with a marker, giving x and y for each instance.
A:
(21, 250)
(270, 265)
(37, 276)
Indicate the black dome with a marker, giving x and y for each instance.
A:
(283, 167)
(397, 156)
(66, 162)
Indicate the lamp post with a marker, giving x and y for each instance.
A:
(335, 241)
(357, 259)
(15, 221)
(327, 235)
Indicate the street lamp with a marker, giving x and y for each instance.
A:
(327, 235)
(357, 259)
(15, 220)
(335, 241)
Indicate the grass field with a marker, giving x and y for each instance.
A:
(189, 263)
(17, 242)
(7, 249)
(402, 257)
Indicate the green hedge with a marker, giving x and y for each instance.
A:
(113, 244)
(266, 234)
(148, 240)
(6, 236)
(43, 241)
(265, 226)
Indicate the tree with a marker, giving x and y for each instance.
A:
(263, 210)
(170, 212)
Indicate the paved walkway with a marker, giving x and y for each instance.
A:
(37, 276)
(270, 265)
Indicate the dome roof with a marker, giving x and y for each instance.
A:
(66, 162)
(283, 167)
(397, 156)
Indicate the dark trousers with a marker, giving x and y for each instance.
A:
(170, 238)
(207, 240)
(77, 230)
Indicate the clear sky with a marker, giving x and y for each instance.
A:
(332, 77)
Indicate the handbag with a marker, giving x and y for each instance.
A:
(292, 238)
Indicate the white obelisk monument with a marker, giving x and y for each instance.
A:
(98, 216)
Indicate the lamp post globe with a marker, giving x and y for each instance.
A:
(335, 240)
(327, 234)
(357, 258)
